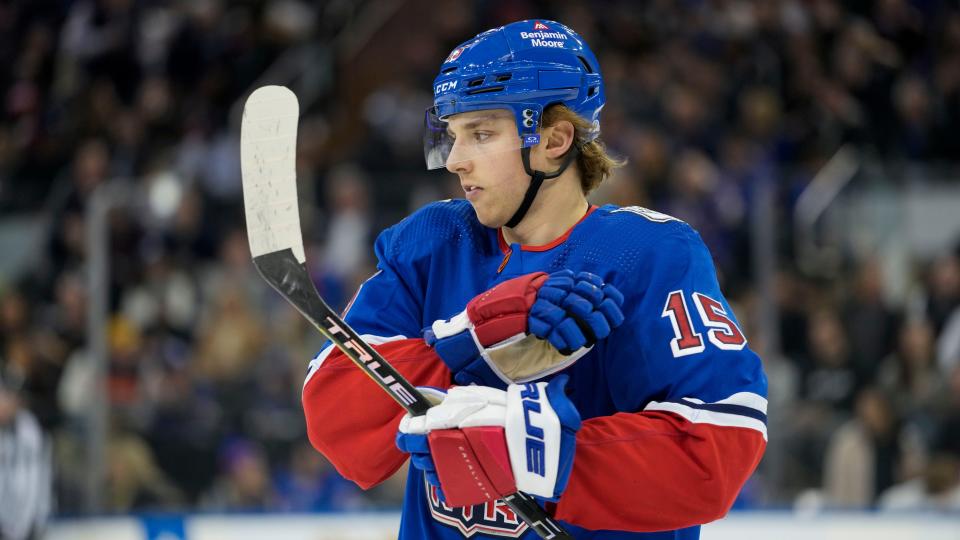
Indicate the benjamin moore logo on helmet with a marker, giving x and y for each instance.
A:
(543, 37)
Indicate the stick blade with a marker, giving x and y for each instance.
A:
(268, 145)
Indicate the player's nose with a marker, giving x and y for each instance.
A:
(458, 161)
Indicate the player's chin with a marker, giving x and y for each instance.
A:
(488, 217)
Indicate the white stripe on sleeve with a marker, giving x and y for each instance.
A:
(704, 416)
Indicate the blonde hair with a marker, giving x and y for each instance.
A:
(593, 161)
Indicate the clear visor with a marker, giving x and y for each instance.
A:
(472, 135)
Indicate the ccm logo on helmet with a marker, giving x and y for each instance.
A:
(530, 397)
(445, 86)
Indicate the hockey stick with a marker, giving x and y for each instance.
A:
(268, 140)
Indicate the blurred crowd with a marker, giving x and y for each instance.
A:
(709, 100)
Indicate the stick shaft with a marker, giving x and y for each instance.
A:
(290, 278)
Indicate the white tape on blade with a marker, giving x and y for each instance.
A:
(268, 147)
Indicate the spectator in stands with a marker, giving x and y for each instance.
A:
(937, 489)
(134, 482)
(943, 289)
(308, 483)
(184, 424)
(948, 430)
(862, 456)
(828, 385)
(911, 377)
(830, 379)
(350, 224)
(246, 485)
(869, 321)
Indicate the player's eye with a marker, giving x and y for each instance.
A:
(480, 136)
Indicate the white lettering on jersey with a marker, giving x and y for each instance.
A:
(650, 215)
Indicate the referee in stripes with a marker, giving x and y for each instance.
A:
(25, 468)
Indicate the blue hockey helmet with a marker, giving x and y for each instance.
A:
(521, 69)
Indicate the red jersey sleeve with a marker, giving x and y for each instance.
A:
(657, 470)
(351, 420)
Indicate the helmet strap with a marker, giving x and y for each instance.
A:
(536, 180)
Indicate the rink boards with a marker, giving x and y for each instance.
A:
(382, 526)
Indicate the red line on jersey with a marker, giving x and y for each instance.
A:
(545, 247)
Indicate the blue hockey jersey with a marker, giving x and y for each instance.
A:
(673, 402)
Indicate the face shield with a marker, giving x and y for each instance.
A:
(485, 131)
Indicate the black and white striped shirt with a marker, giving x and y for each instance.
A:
(25, 478)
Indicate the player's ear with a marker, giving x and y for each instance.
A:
(559, 138)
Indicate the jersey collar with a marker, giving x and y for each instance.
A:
(505, 248)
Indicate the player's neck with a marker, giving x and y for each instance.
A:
(556, 209)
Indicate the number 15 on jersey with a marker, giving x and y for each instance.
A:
(722, 332)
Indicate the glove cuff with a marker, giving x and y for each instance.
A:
(539, 436)
(454, 341)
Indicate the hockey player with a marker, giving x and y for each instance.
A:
(583, 355)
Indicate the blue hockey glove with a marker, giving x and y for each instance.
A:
(575, 310)
(481, 443)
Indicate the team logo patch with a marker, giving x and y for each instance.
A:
(493, 518)
(455, 54)
(540, 26)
